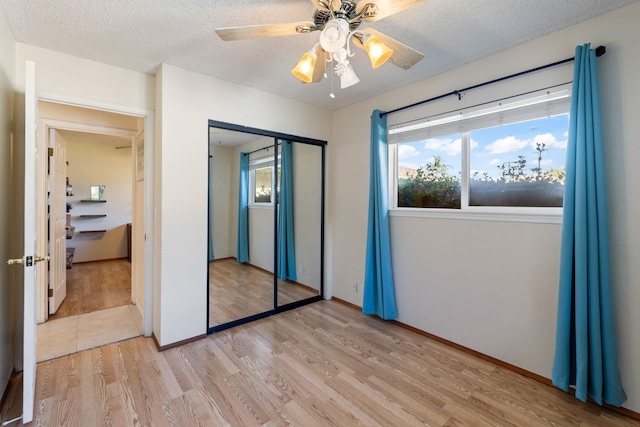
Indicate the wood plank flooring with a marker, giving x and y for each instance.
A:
(323, 364)
(239, 290)
(93, 286)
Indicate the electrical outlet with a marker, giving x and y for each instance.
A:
(354, 287)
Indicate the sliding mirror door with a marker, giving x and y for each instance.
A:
(241, 226)
(266, 218)
(300, 208)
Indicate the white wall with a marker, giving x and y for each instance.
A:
(461, 279)
(224, 234)
(307, 188)
(188, 101)
(7, 286)
(78, 78)
(92, 164)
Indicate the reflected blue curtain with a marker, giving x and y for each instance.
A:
(286, 240)
(243, 210)
(211, 254)
(586, 354)
(379, 294)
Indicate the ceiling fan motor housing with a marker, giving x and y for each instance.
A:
(347, 12)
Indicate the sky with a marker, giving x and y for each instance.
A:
(492, 147)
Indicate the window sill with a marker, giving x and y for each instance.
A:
(261, 206)
(530, 215)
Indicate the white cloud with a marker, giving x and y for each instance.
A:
(505, 145)
(451, 147)
(548, 140)
(407, 152)
(495, 162)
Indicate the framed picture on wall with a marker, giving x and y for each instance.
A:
(140, 160)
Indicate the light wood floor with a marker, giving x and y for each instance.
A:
(239, 290)
(323, 364)
(93, 286)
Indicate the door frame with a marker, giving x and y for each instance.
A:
(48, 125)
(148, 263)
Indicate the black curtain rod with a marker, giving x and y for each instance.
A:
(260, 149)
(600, 50)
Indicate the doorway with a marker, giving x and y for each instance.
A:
(102, 193)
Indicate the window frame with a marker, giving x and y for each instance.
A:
(551, 215)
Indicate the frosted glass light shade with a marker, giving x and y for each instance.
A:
(305, 67)
(378, 52)
(349, 78)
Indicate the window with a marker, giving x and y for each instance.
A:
(262, 180)
(510, 155)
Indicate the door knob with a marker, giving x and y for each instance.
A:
(27, 260)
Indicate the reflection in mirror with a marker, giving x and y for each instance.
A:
(240, 264)
(299, 222)
(265, 223)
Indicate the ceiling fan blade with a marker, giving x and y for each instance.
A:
(385, 7)
(263, 31)
(319, 4)
(324, 4)
(403, 56)
(321, 65)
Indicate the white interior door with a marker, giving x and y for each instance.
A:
(58, 221)
(30, 234)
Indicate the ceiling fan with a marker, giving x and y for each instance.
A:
(338, 22)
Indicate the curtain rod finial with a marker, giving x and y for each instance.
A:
(601, 50)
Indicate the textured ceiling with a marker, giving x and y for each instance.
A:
(141, 34)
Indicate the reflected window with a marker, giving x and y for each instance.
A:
(262, 180)
(263, 183)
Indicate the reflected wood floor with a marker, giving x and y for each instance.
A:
(238, 290)
(323, 364)
(93, 286)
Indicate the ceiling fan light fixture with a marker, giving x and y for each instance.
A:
(348, 78)
(334, 35)
(304, 70)
(378, 52)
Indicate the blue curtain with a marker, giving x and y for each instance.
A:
(286, 240)
(586, 354)
(379, 294)
(243, 210)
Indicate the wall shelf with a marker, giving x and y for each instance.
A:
(93, 201)
(92, 216)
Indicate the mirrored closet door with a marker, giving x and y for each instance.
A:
(266, 220)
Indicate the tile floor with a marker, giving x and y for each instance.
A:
(57, 338)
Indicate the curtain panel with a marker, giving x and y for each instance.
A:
(379, 293)
(242, 252)
(286, 239)
(586, 345)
